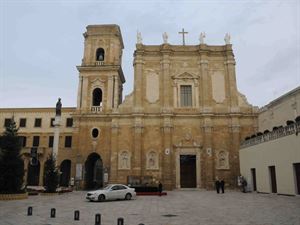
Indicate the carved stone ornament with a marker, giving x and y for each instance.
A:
(124, 160)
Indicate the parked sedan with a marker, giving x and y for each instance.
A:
(112, 192)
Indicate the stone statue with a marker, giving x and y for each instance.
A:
(227, 38)
(58, 107)
(125, 160)
(165, 37)
(202, 36)
(139, 38)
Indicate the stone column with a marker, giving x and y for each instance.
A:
(231, 82)
(56, 124)
(137, 145)
(167, 162)
(206, 85)
(235, 146)
(84, 94)
(42, 167)
(138, 81)
(166, 80)
(116, 93)
(209, 153)
(113, 176)
(79, 93)
(109, 93)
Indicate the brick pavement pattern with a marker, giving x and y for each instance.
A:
(187, 208)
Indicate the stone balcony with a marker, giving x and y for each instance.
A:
(96, 109)
(275, 134)
(40, 150)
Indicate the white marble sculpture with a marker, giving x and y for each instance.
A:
(139, 38)
(202, 36)
(165, 37)
(227, 38)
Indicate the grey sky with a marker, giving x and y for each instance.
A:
(41, 42)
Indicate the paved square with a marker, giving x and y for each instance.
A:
(187, 208)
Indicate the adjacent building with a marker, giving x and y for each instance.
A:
(270, 159)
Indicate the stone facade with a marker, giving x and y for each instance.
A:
(185, 102)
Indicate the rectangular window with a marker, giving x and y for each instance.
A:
(51, 139)
(185, 95)
(68, 141)
(36, 141)
(52, 122)
(22, 122)
(23, 141)
(38, 122)
(7, 122)
(69, 122)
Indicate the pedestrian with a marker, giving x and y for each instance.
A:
(244, 185)
(222, 184)
(160, 187)
(217, 184)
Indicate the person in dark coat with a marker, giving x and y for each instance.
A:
(160, 187)
(222, 184)
(217, 185)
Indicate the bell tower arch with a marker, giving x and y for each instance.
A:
(101, 76)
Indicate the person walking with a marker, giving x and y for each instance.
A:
(160, 187)
(222, 184)
(217, 185)
(244, 184)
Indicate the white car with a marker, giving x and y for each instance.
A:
(112, 192)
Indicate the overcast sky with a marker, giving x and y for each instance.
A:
(41, 42)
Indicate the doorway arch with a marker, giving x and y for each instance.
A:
(93, 172)
(33, 174)
(65, 169)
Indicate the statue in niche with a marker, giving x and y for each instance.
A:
(125, 164)
(58, 107)
(223, 160)
(152, 160)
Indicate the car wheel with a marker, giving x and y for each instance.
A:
(101, 198)
(128, 196)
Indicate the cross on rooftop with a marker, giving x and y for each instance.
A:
(183, 33)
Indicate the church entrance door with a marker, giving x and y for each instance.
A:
(188, 171)
(93, 172)
(33, 174)
(65, 169)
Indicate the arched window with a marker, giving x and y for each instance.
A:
(97, 97)
(100, 54)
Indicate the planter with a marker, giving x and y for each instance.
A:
(6, 197)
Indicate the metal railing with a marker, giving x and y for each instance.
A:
(272, 135)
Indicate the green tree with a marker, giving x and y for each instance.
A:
(50, 175)
(11, 162)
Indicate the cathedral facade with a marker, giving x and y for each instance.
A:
(182, 124)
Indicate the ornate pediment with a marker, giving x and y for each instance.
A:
(98, 82)
(184, 76)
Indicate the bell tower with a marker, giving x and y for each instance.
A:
(100, 74)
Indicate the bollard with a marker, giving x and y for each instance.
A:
(29, 211)
(76, 215)
(120, 221)
(52, 213)
(98, 219)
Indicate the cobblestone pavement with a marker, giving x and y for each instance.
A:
(177, 208)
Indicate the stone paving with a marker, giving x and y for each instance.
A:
(183, 208)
